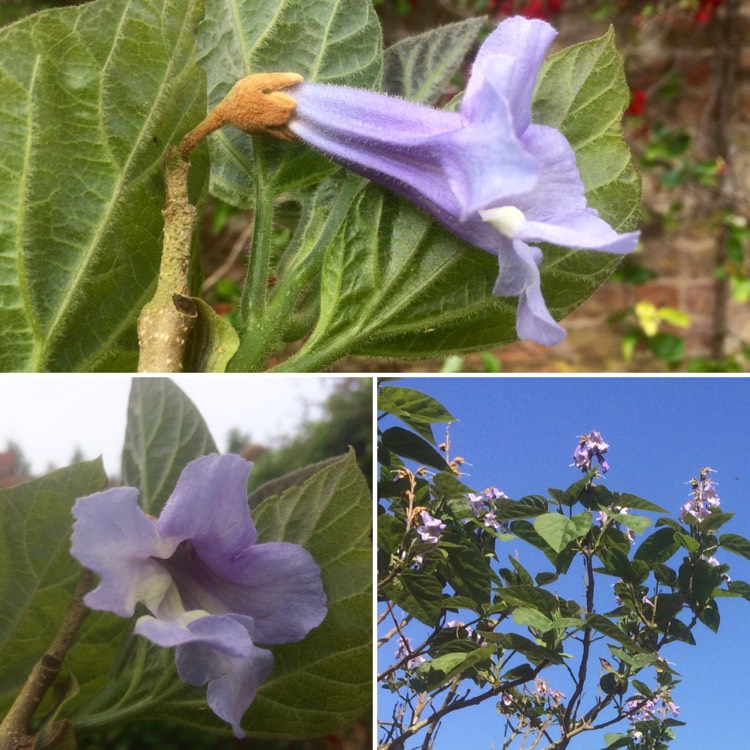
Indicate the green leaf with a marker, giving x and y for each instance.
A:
(411, 446)
(637, 523)
(526, 507)
(626, 500)
(735, 543)
(212, 342)
(164, 433)
(327, 41)
(466, 568)
(607, 627)
(419, 67)
(444, 668)
(37, 578)
(658, 547)
(740, 588)
(532, 617)
(93, 96)
(516, 642)
(557, 530)
(690, 543)
(418, 593)
(418, 410)
(323, 683)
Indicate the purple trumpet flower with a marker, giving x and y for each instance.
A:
(487, 173)
(211, 591)
(431, 529)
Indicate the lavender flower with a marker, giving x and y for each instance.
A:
(490, 520)
(431, 529)
(590, 446)
(210, 589)
(487, 173)
(476, 503)
(704, 498)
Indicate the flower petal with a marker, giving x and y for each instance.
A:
(209, 508)
(556, 209)
(282, 592)
(519, 276)
(113, 537)
(527, 42)
(217, 632)
(581, 229)
(233, 681)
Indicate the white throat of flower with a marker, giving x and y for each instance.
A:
(508, 220)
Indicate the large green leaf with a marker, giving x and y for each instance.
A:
(330, 41)
(164, 432)
(409, 445)
(92, 97)
(394, 283)
(416, 409)
(37, 578)
(419, 67)
(418, 593)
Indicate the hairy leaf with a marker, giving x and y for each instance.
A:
(37, 578)
(92, 97)
(164, 433)
(419, 67)
(416, 409)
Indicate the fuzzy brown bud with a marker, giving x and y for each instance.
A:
(255, 105)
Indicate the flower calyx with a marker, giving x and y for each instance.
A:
(255, 104)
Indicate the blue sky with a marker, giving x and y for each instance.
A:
(519, 434)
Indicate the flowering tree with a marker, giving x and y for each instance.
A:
(201, 614)
(468, 623)
(448, 229)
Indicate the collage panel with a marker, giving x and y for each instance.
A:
(562, 562)
(186, 562)
(374, 185)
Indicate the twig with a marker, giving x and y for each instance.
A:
(254, 105)
(15, 729)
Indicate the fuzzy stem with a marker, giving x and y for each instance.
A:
(15, 729)
(166, 321)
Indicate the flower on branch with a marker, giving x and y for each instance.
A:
(487, 172)
(704, 499)
(211, 591)
(431, 529)
(590, 446)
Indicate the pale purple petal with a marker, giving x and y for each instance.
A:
(113, 537)
(233, 681)
(215, 632)
(519, 276)
(526, 41)
(206, 486)
(580, 230)
(282, 591)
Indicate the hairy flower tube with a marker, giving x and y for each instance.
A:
(487, 173)
(211, 591)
